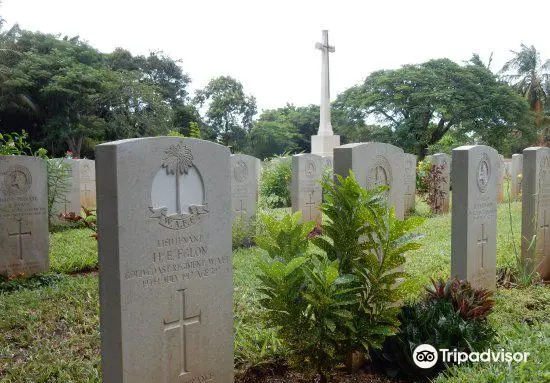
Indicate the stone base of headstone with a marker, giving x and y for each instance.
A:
(324, 145)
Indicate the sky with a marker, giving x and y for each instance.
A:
(270, 46)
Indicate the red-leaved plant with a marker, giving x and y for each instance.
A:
(88, 220)
(469, 302)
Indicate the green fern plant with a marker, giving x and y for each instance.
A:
(363, 234)
(284, 238)
(345, 298)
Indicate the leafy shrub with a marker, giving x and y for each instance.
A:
(344, 298)
(363, 234)
(275, 181)
(452, 315)
(422, 169)
(14, 144)
(285, 238)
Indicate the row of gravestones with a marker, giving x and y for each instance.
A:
(308, 169)
(24, 209)
(165, 245)
(307, 172)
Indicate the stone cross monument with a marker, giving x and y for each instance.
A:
(325, 141)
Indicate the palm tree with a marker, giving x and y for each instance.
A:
(178, 160)
(530, 77)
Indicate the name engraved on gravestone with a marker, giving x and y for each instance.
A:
(172, 263)
(23, 216)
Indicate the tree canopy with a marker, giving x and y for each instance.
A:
(421, 103)
(69, 96)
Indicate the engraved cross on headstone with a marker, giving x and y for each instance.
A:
(482, 242)
(180, 324)
(544, 227)
(20, 234)
(241, 210)
(311, 204)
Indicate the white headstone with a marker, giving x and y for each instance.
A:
(306, 191)
(23, 216)
(410, 181)
(473, 239)
(535, 222)
(165, 260)
(245, 182)
(87, 183)
(516, 176)
(374, 164)
(501, 171)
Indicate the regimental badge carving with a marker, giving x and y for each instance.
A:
(311, 169)
(380, 174)
(17, 180)
(483, 173)
(86, 172)
(178, 164)
(240, 171)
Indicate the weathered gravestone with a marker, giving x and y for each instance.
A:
(516, 176)
(501, 172)
(69, 200)
(535, 220)
(473, 240)
(374, 164)
(410, 181)
(23, 216)
(87, 183)
(245, 179)
(306, 191)
(165, 260)
(442, 160)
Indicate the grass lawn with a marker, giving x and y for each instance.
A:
(49, 330)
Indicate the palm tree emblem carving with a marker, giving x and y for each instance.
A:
(177, 161)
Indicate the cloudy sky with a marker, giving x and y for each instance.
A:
(270, 46)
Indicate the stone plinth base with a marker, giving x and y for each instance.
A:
(324, 145)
